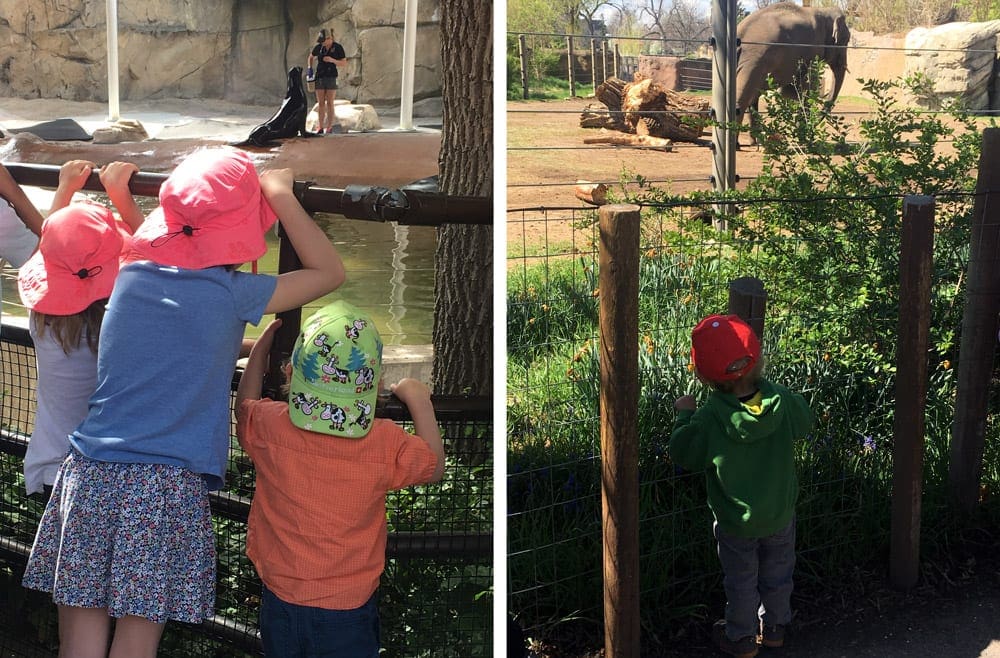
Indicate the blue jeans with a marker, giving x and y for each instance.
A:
(288, 630)
(757, 577)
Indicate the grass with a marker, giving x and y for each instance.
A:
(547, 89)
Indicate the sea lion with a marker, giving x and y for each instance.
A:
(289, 120)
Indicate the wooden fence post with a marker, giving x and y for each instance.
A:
(915, 265)
(593, 63)
(616, 60)
(979, 331)
(604, 60)
(522, 54)
(619, 408)
(748, 299)
(571, 65)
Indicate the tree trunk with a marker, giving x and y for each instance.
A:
(463, 306)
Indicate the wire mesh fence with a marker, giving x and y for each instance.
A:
(830, 332)
(434, 595)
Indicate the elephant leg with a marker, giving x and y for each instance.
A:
(752, 112)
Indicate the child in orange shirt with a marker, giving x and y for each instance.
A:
(317, 529)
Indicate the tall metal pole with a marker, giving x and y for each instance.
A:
(112, 24)
(724, 98)
(409, 65)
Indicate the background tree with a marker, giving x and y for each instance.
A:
(625, 22)
(679, 24)
(463, 304)
(534, 16)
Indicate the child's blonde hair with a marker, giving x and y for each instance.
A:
(67, 330)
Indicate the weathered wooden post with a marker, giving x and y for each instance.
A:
(617, 60)
(604, 60)
(748, 299)
(979, 331)
(915, 265)
(593, 62)
(522, 54)
(619, 408)
(571, 65)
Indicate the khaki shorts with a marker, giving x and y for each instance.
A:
(326, 83)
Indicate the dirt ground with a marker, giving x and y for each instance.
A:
(546, 155)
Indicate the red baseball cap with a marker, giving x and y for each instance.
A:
(724, 348)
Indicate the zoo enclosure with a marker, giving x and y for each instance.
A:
(554, 480)
(872, 56)
(439, 545)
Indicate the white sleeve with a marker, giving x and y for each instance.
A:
(17, 242)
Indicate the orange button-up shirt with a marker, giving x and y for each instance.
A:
(317, 528)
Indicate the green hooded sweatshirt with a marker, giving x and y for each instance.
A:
(747, 458)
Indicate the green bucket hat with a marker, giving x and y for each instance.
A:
(336, 366)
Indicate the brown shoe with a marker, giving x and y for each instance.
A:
(745, 647)
(772, 636)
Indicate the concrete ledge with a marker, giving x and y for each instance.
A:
(399, 361)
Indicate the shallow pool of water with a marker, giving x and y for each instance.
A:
(390, 273)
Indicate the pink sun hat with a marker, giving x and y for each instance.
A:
(212, 212)
(76, 263)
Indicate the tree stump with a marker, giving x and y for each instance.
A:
(645, 108)
(611, 92)
(652, 110)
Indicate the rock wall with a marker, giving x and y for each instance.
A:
(677, 73)
(237, 50)
(958, 60)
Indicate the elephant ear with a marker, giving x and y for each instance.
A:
(841, 34)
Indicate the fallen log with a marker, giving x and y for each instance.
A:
(595, 117)
(640, 141)
(652, 110)
(611, 92)
(596, 194)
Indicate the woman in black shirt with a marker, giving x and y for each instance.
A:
(328, 55)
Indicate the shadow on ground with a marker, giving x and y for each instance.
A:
(954, 612)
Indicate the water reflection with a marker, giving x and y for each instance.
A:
(390, 273)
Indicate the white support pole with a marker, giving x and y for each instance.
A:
(112, 21)
(409, 66)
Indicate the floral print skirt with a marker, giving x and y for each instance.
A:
(133, 538)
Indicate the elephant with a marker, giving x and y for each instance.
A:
(810, 32)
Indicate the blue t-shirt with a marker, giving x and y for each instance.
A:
(169, 344)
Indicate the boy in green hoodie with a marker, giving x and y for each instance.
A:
(742, 438)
